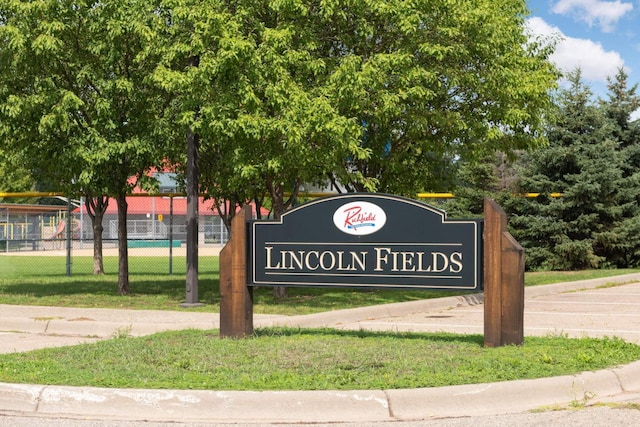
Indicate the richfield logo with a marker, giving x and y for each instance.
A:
(359, 218)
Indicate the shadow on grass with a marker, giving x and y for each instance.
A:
(41, 277)
(43, 281)
(92, 290)
(327, 298)
(474, 339)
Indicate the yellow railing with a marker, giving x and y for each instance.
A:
(31, 194)
(451, 195)
(315, 195)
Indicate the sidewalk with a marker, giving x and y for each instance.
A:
(574, 309)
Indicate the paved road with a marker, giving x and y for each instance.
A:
(598, 312)
(574, 309)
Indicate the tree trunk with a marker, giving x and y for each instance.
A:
(123, 250)
(277, 196)
(193, 142)
(96, 208)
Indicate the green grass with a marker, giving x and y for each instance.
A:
(42, 280)
(548, 277)
(273, 359)
(314, 359)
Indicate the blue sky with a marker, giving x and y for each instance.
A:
(599, 36)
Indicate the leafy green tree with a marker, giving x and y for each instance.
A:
(196, 47)
(75, 98)
(369, 95)
(203, 60)
(257, 99)
(365, 94)
(431, 82)
(245, 83)
(13, 178)
(584, 162)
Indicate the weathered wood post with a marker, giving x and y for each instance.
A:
(236, 298)
(503, 281)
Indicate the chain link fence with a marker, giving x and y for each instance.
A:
(156, 228)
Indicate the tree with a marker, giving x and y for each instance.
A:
(434, 81)
(76, 98)
(263, 126)
(583, 162)
(372, 96)
(195, 38)
(265, 121)
(621, 243)
(475, 181)
(13, 177)
(369, 95)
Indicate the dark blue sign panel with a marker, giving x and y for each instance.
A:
(366, 240)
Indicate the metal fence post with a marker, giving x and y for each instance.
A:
(170, 235)
(68, 235)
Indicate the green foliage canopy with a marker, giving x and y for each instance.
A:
(76, 103)
(75, 97)
(369, 95)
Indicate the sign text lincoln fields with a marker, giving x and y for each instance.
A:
(366, 240)
(384, 259)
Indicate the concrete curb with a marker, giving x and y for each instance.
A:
(320, 406)
(193, 406)
(507, 397)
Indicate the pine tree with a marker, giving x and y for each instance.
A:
(621, 243)
(584, 161)
(476, 180)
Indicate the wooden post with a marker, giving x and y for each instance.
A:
(512, 291)
(236, 298)
(503, 281)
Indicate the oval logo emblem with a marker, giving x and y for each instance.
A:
(359, 218)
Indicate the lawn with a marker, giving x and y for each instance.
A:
(273, 358)
(42, 280)
(308, 359)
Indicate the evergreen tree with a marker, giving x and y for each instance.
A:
(620, 244)
(475, 181)
(584, 161)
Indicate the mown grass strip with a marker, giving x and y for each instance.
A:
(315, 359)
(41, 280)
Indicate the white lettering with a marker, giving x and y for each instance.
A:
(269, 265)
(386, 260)
(380, 258)
(332, 259)
(361, 261)
(456, 262)
(307, 262)
(421, 263)
(407, 261)
(445, 262)
(294, 259)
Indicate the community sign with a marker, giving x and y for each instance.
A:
(366, 240)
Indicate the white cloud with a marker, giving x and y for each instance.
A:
(595, 62)
(605, 14)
